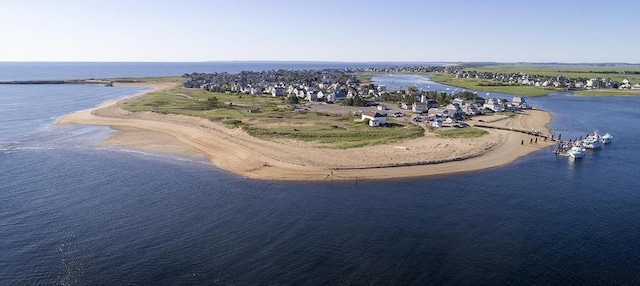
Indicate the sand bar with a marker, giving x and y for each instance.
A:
(235, 151)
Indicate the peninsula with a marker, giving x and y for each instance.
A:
(279, 135)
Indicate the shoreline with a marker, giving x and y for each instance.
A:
(235, 151)
(547, 92)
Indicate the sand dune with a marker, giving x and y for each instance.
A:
(236, 151)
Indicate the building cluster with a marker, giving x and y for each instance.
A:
(329, 85)
(336, 85)
(547, 81)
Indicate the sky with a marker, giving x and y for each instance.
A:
(586, 31)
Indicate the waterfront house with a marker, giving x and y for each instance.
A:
(520, 102)
(493, 104)
(625, 84)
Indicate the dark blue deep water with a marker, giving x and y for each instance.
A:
(75, 213)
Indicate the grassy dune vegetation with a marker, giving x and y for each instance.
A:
(272, 118)
(469, 132)
(477, 84)
(616, 73)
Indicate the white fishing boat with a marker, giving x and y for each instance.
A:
(592, 141)
(606, 138)
(576, 152)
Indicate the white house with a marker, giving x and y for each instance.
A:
(278, 91)
(256, 90)
(454, 110)
(375, 118)
(493, 104)
(520, 102)
(625, 84)
(312, 96)
(419, 107)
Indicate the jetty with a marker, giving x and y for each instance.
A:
(528, 132)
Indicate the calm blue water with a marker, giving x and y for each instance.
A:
(75, 213)
(84, 70)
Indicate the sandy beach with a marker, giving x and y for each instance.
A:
(235, 151)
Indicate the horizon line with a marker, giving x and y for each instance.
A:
(323, 61)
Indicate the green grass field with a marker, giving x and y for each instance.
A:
(608, 92)
(572, 71)
(616, 73)
(475, 84)
(274, 119)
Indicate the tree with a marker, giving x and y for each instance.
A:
(292, 99)
(412, 90)
(211, 102)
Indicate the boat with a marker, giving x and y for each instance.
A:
(592, 141)
(606, 138)
(576, 152)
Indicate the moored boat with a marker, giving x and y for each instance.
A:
(576, 152)
(592, 141)
(606, 138)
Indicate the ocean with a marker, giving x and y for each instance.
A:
(73, 212)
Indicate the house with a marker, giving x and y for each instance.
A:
(278, 91)
(335, 96)
(432, 104)
(312, 96)
(625, 84)
(419, 107)
(520, 102)
(471, 109)
(256, 90)
(454, 111)
(493, 104)
(375, 118)
(351, 93)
